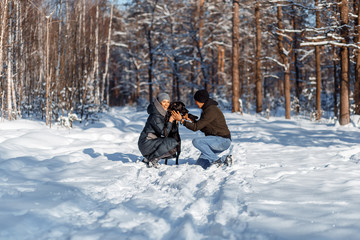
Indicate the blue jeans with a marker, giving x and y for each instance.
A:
(211, 146)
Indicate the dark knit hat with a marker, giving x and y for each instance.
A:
(201, 96)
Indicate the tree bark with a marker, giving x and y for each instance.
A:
(4, 20)
(98, 99)
(296, 60)
(151, 59)
(199, 44)
(258, 59)
(48, 70)
(344, 85)
(357, 67)
(285, 63)
(105, 76)
(10, 80)
(336, 85)
(318, 68)
(235, 58)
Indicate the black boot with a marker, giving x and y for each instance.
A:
(218, 163)
(228, 161)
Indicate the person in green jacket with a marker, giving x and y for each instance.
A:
(212, 123)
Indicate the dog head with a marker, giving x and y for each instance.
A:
(180, 107)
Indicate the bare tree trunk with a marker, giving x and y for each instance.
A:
(4, 20)
(10, 73)
(296, 61)
(235, 58)
(48, 69)
(220, 61)
(96, 64)
(199, 44)
(336, 85)
(105, 76)
(258, 59)
(151, 59)
(83, 30)
(285, 63)
(344, 86)
(9, 88)
(14, 98)
(58, 67)
(2, 106)
(20, 50)
(357, 68)
(318, 68)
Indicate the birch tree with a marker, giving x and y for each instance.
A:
(48, 76)
(4, 13)
(105, 75)
(10, 82)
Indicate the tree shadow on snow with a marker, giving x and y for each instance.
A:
(91, 152)
(123, 157)
(128, 158)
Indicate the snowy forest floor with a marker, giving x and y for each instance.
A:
(291, 179)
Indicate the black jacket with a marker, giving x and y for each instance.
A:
(152, 141)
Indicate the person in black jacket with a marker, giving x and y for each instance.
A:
(154, 143)
(213, 124)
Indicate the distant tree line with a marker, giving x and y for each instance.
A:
(63, 56)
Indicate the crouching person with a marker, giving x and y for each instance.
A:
(212, 123)
(154, 143)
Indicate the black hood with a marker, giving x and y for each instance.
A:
(209, 102)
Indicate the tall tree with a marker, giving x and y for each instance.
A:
(105, 75)
(48, 76)
(317, 64)
(235, 58)
(3, 16)
(296, 40)
(344, 85)
(10, 80)
(258, 59)
(284, 53)
(357, 66)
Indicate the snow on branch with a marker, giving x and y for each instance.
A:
(271, 76)
(307, 53)
(322, 43)
(119, 44)
(219, 43)
(276, 61)
(284, 35)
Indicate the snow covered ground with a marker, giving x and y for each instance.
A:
(292, 179)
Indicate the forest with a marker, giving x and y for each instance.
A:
(63, 57)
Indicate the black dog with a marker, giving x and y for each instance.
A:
(174, 132)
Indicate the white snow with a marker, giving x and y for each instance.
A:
(292, 179)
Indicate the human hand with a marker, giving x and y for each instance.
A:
(176, 115)
(186, 116)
